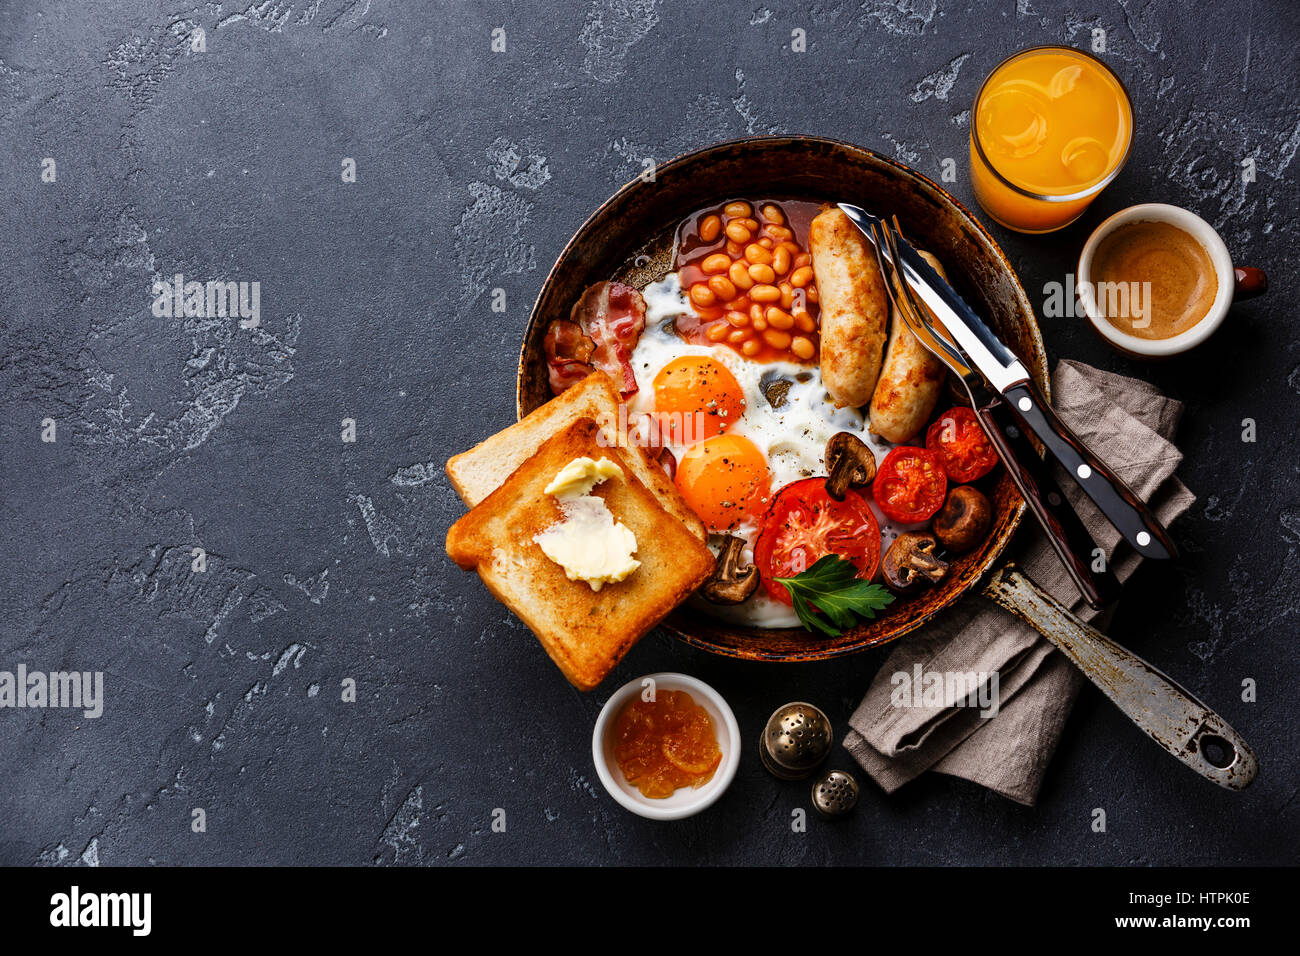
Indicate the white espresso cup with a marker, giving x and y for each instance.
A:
(1235, 283)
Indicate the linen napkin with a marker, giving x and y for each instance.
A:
(1129, 425)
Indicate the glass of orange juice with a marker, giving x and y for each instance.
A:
(1051, 127)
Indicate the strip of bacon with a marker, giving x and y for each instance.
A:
(567, 354)
(624, 323)
(612, 316)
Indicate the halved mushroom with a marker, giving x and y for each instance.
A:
(849, 463)
(731, 583)
(964, 520)
(911, 561)
(775, 389)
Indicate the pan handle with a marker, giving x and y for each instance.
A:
(1165, 712)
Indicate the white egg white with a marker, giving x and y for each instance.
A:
(791, 438)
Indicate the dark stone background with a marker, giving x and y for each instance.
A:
(325, 559)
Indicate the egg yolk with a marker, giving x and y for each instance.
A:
(725, 480)
(696, 398)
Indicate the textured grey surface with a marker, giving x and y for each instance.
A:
(325, 558)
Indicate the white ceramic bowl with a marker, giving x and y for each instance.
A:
(686, 801)
(1198, 229)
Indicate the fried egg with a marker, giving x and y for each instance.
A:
(739, 430)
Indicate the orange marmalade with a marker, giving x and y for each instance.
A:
(665, 744)
(747, 272)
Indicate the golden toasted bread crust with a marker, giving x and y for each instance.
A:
(585, 632)
(476, 473)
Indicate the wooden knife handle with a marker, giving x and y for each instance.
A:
(1065, 531)
(1121, 507)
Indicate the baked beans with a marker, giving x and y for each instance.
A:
(778, 319)
(701, 294)
(740, 276)
(722, 287)
(737, 232)
(781, 260)
(718, 262)
(752, 284)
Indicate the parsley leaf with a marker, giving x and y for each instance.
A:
(832, 587)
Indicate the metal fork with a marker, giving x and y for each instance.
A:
(914, 315)
(1031, 475)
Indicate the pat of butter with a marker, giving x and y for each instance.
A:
(579, 476)
(588, 543)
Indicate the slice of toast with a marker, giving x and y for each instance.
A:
(476, 473)
(586, 632)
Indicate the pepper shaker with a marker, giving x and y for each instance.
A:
(796, 740)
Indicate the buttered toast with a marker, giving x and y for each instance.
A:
(476, 473)
(585, 632)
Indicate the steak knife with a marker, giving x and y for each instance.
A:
(1005, 375)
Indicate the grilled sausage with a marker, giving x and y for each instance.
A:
(854, 307)
(910, 381)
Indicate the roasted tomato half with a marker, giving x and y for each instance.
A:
(804, 524)
(910, 484)
(960, 442)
